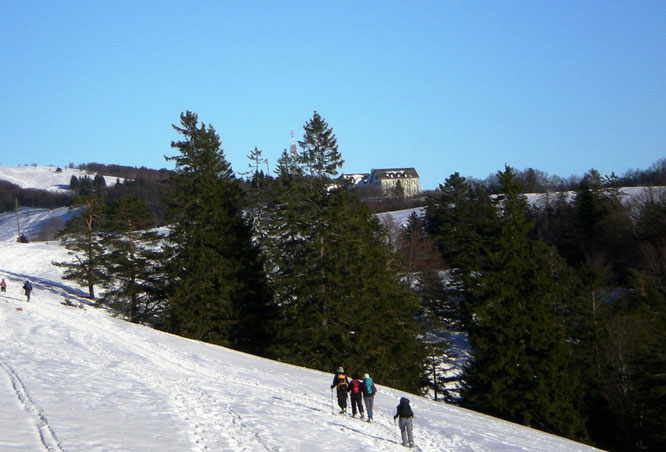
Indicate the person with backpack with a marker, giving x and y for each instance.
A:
(341, 382)
(369, 391)
(27, 287)
(356, 395)
(406, 415)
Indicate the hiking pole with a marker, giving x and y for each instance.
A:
(395, 430)
(413, 430)
(332, 403)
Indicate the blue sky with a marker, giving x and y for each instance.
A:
(443, 86)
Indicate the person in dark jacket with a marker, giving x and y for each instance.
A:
(341, 382)
(369, 391)
(406, 415)
(356, 395)
(3, 286)
(27, 287)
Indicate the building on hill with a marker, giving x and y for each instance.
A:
(388, 181)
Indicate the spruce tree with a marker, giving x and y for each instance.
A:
(459, 216)
(217, 291)
(520, 369)
(339, 292)
(320, 156)
(132, 277)
(601, 224)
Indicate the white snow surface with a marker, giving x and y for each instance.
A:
(45, 177)
(79, 379)
(30, 221)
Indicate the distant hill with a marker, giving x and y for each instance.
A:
(48, 178)
(48, 187)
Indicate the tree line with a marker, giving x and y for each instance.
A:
(532, 180)
(11, 194)
(563, 303)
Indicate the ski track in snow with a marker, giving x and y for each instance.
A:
(200, 409)
(46, 435)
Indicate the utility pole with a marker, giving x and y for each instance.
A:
(18, 225)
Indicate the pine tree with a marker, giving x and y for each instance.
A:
(217, 291)
(256, 160)
(131, 261)
(520, 369)
(82, 239)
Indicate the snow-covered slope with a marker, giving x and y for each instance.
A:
(78, 379)
(30, 221)
(45, 177)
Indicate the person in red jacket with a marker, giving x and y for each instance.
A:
(356, 395)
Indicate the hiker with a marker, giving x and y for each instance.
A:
(27, 287)
(356, 395)
(3, 286)
(406, 415)
(369, 391)
(341, 382)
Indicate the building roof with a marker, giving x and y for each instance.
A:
(395, 173)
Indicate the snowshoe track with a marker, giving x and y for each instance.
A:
(46, 434)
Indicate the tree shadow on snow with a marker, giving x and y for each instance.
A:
(42, 284)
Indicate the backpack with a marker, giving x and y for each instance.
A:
(368, 386)
(341, 380)
(404, 410)
(356, 387)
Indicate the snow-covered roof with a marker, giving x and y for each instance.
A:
(395, 173)
(356, 178)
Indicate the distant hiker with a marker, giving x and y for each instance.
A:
(406, 415)
(341, 382)
(356, 395)
(369, 391)
(3, 286)
(27, 287)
